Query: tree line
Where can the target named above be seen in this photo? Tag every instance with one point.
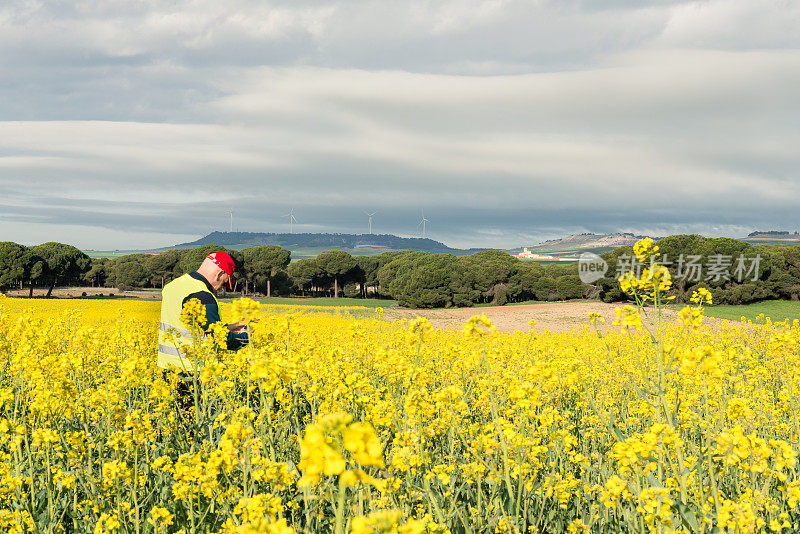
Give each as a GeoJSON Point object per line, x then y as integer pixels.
{"type": "Point", "coordinates": [45, 265]}
{"type": "Point", "coordinates": [419, 279]}
{"type": "Point", "coordinates": [415, 279]}
{"type": "Point", "coordinates": [768, 272]}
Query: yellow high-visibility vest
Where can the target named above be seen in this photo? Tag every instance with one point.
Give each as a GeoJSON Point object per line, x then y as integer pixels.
{"type": "Point", "coordinates": [171, 306]}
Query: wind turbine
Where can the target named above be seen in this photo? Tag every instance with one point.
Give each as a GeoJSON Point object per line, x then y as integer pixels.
{"type": "Point", "coordinates": [424, 224]}
{"type": "Point", "coordinates": [370, 219]}
{"type": "Point", "coordinates": [292, 220]}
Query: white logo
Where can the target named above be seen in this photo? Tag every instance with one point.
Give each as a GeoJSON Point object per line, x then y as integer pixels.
{"type": "Point", "coordinates": [591, 267]}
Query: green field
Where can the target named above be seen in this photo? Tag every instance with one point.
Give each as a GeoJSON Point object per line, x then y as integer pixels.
{"type": "Point", "coordinates": [111, 254]}
{"type": "Point", "coordinates": [776, 310]}
{"type": "Point", "coordinates": [302, 253]}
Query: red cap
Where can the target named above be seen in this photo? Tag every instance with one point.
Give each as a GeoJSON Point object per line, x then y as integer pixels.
{"type": "Point", "coordinates": [224, 261]}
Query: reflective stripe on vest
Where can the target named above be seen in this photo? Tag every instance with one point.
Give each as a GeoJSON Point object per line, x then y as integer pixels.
{"type": "Point", "coordinates": [166, 349]}
{"type": "Point", "coordinates": [172, 296]}
{"type": "Point", "coordinates": [164, 327]}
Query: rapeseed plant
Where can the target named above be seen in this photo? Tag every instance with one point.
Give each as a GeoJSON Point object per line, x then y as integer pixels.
{"type": "Point", "coordinates": [334, 420]}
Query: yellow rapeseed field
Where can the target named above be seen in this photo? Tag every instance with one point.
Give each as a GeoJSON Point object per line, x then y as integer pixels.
{"type": "Point", "coordinates": [332, 423]}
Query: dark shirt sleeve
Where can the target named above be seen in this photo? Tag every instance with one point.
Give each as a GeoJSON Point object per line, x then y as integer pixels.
{"type": "Point", "coordinates": [235, 340]}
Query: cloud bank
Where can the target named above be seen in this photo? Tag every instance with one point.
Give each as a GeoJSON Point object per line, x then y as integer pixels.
{"type": "Point", "coordinates": [141, 124]}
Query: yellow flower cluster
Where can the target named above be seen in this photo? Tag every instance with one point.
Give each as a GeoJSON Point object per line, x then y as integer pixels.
{"type": "Point", "coordinates": [654, 280]}
{"type": "Point", "coordinates": [338, 422]}
{"type": "Point", "coordinates": [628, 316]}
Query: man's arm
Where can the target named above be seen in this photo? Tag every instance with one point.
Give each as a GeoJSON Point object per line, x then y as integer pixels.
{"type": "Point", "coordinates": [236, 340]}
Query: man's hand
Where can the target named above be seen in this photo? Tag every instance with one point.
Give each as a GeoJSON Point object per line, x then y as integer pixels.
{"type": "Point", "coordinates": [237, 327]}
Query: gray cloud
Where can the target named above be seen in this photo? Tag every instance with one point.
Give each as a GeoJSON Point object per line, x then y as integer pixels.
{"type": "Point", "coordinates": [507, 121]}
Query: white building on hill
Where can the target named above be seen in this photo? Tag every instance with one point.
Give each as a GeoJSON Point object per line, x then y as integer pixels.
{"type": "Point", "coordinates": [528, 255]}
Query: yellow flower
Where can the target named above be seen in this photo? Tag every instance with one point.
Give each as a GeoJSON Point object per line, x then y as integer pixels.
{"type": "Point", "coordinates": [420, 326]}
{"type": "Point", "coordinates": [386, 522]}
{"type": "Point", "coordinates": [193, 315]}
{"type": "Point", "coordinates": [578, 526]}
{"type": "Point", "coordinates": [479, 325]}
{"type": "Point", "coordinates": [644, 250]}
{"type": "Point", "coordinates": [107, 523]}
{"type": "Point", "coordinates": [361, 441]}
{"type": "Point", "coordinates": [614, 491]}
{"type": "Point", "coordinates": [160, 517]}
{"type": "Point", "coordinates": [691, 316]}
{"type": "Point", "coordinates": [245, 310]}
{"type": "Point", "coordinates": [701, 295]}
{"type": "Point", "coordinates": [596, 317]}
{"type": "Point", "coordinates": [318, 456]}
{"type": "Point", "coordinates": [627, 316]}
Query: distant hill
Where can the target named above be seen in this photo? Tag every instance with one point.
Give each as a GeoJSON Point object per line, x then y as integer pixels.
{"type": "Point", "coordinates": [769, 233]}
{"type": "Point", "coordinates": [772, 237]}
{"type": "Point", "coordinates": [309, 245]}
{"type": "Point", "coordinates": [584, 242]}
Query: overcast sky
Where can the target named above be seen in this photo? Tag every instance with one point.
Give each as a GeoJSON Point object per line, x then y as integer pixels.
{"type": "Point", "coordinates": [140, 124]}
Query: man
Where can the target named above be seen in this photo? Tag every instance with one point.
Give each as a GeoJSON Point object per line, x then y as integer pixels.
{"type": "Point", "coordinates": [215, 271]}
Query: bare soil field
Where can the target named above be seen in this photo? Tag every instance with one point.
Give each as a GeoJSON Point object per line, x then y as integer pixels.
{"type": "Point", "coordinates": [552, 316]}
